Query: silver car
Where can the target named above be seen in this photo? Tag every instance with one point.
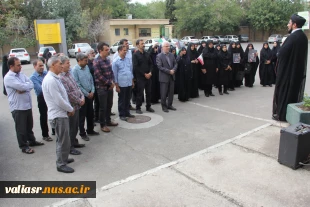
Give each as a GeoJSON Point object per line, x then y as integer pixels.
{"type": "Point", "coordinates": [176, 43]}
{"type": "Point", "coordinates": [189, 39]}
{"type": "Point", "coordinates": [221, 39]}
{"type": "Point", "coordinates": [78, 47]}
{"type": "Point", "coordinates": [206, 38]}
{"type": "Point", "coordinates": [275, 38]}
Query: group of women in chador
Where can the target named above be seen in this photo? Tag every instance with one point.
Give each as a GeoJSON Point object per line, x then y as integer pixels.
{"type": "Point", "coordinates": [220, 66]}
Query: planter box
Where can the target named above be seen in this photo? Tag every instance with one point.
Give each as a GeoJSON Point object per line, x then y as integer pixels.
{"type": "Point", "coordinates": [294, 114]}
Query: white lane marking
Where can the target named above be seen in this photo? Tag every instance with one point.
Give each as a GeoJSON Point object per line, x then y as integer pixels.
{"type": "Point", "coordinates": [273, 122]}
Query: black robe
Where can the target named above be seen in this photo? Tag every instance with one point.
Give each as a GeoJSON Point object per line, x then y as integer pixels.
{"type": "Point", "coordinates": [249, 79]}
{"type": "Point", "coordinates": [239, 66]}
{"type": "Point", "coordinates": [266, 70]}
{"type": "Point", "coordinates": [274, 59]}
{"type": "Point", "coordinates": [210, 59]}
{"type": "Point", "coordinates": [234, 66]}
{"type": "Point", "coordinates": [184, 76]}
{"type": "Point", "coordinates": [291, 73]}
{"type": "Point", "coordinates": [5, 69]}
{"type": "Point", "coordinates": [155, 89]}
{"type": "Point", "coordinates": [200, 49]}
{"type": "Point", "coordinates": [193, 55]}
{"type": "Point", "coordinates": [224, 76]}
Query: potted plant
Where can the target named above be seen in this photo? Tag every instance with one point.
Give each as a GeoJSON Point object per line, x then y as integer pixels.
{"type": "Point", "coordinates": [299, 112]}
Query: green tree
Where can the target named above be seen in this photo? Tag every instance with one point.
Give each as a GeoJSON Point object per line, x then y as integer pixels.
{"type": "Point", "coordinates": [192, 15]}
{"type": "Point", "coordinates": [139, 11]}
{"type": "Point", "coordinates": [157, 9]}
{"type": "Point", "coordinates": [4, 38]}
{"type": "Point", "coordinates": [34, 10]}
{"type": "Point", "coordinates": [170, 8]}
{"type": "Point", "coordinates": [70, 11]}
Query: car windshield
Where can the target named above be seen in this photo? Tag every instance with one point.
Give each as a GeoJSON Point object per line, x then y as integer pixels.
{"type": "Point", "coordinates": [274, 35]}
{"type": "Point", "coordinates": [82, 45]}
{"type": "Point", "coordinates": [175, 40]}
{"type": "Point", "coordinates": [192, 37]}
{"type": "Point", "coordinates": [18, 50]}
{"type": "Point", "coordinates": [43, 48]}
{"type": "Point", "coordinates": [212, 37]}
{"type": "Point", "coordinates": [221, 36]}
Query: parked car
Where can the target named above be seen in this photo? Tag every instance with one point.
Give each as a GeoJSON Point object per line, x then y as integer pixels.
{"type": "Point", "coordinates": [78, 47]}
{"type": "Point", "coordinates": [94, 46]}
{"type": "Point", "coordinates": [113, 48]}
{"type": "Point", "coordinates": [41, 51]}
{"type": "Point", "coordinates": [149, 43]}
{"type": "Point", "coordinates": [243, 38]}
{"type": "Point", "coordinates": [274, 38]}
{"type": "Point", "coordinates": [206, 38]}
{"type": "Point", "coordinates": [221, 39]}
{"type": "Point", "coordinates": [231, 38]}
{"type": "Point", "coordinates": [284, 37]}
{"type": "Point", "coordinates": [176, 43]}
{"type": "Point", "coordinates": [188, 39]}
{"type": "Point", "coordinates": [21, 54]}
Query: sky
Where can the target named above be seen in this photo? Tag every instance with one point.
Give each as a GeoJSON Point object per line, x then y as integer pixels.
{"type": "Point", "coordinates": [141, 1]}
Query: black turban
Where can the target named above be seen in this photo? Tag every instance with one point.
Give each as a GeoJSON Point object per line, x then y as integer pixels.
{"type": "Point", "coordinates": [300, 21]}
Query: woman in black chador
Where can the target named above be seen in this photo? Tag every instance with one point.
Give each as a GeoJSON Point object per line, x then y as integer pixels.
{"type": "Point", "coordinates": [274, 59]}
{"type": "Point", "coordinates": [232, 50]}
{"type": "Point", "coordinates": [5, 69]}
{"type": "Point", "coordinates": [266, 72]}
{"type": "Point", "coordinates": [239, 66]}
{"type": "Point", "coordinates": [155, 89]}
{"type": "Point", "coordinates": [224, 72]}
{"type": "Point", "coordinates": [202, 46]}
{"type": "Point", "coordinates": [218, 48]}
{"type": "Point", "coordinates": [183, 75]}
{"type": "Point", "coordinates": [208, 75]}
{"type": "Point", "coordinates": [193, 55]}
{"type": "Point", "coordinates": [249, 78]}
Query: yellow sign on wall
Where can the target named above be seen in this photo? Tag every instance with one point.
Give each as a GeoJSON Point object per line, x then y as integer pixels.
{"type": "Point", "coordinates": [155, 32]}
{"type": "Point", "coordinates": [48, 33]}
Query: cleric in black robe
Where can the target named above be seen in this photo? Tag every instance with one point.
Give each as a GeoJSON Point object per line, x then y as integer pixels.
{"type": "Point", "coordinates": [225, 70]}
{"type": "Point", "coordinates": [249, 78]}
{"type": "Point", "coordinates": [265, 68]}
{"type": "Point", "coordinates": [155, 89]}
{"type": "Point", "coordinates": [193, 55]}
{"type": "Point", "coordinates": [291, 68]}
{"type": "Point", "coordinates": [5, 69]}
{"type": "Point", "coordinates": [274, 59]}
{"type": "Point", "coordinates": [208, 74]}
{"type": "Point", "coordinates": [183, 75]}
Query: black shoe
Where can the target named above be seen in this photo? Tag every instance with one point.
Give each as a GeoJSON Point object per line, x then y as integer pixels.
{"type": "Point", "coordinates": [172, 108]}
{"type": "Point", "coordinates": [211, 94]}
{"type": "Point", "coordinates": [85, 137]}
{"type": "Point", "coordinates": [221, 93]}
{"type": "Point", "coordinates": [165, 110]}
{"type": "Point", "coordinates": [75, 152]}
{"type": "Point", "coordinates": [226, 92]}
{"type": "Point", "coordinates": [123, 118]}
{"type": "Point", "coordinates": [231, 89]}
{"type": "Point", "coordinates": [65, 169]}
{"type": "Point", "coordinates": [92, 133]}
{"type": "Point", "coordinates": [36, 143]}
{"type": "Point", "coordinates": [206, 94]}
{"type": "Point", "coordinates": [130, 116]}
{"type": "Point", "coordinates": [79, 145]}
{"type": "Point", "coordinates": [70, 160]}
{"type": "Point", "coordinates": [112, 114]}
{"type": "Point", "coordinates": [275, 117]}
{"type": "Point", "coordinates": [138, 111]}
{"type": "Point", "coordinates": [150, 110]}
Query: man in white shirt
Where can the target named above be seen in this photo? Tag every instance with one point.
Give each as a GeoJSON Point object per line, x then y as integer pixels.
{"type": "Point", "coordinates": [18, 87]}
{"type": "Point", "coordinates": [59, 108]}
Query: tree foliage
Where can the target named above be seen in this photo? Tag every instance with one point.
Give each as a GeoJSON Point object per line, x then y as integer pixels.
{"type": "Point", "coordinates": [170, 8]}
{"type": "Point", "coordinates": [152, 10]}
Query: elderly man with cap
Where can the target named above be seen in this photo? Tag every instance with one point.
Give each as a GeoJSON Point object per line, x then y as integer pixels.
{"type": "Point", "coordinates": [291, 68]}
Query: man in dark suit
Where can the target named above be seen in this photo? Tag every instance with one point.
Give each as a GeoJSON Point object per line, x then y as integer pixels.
{"type": "Point", "coordinates": [167, 66]}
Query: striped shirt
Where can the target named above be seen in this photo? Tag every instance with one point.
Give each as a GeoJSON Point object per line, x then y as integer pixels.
{"type": "Point", "coordinates": [75, 95]}
{"type": "Point", "coordinates": [104, 76]}
{"type": "Point", "coordinates": [15, 82]}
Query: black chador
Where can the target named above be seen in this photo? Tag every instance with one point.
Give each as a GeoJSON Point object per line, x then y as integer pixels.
{"type": "Point", "coordinates": [183, 75]}
{"type": "Point", "coordinates": [266, 70]}
{"type": "Point", "coordinates": [224, 72]}
{"type": "Point", "coordinates": [208, 73]}
{"type": "Point", "coordinates": [193, 55]}
{"type": "Point", "coordinates": [249, 78]}
{"type": "Point", "coordinates": [155, 90]}
{"type": "Point", "coordinates": [291, 69]}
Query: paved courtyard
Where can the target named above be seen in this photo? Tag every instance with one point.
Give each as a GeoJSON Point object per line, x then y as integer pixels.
{"type": "Point", "coordinates": [130, 149]}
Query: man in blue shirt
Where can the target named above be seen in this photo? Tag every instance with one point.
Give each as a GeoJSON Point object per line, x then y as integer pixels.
{"type": "Point", "coordinates": [123, 79]}
{"type": "Point", "coordinates": [85, 82]}
{"type": "Point", "coordinates": [18, 87]}
{"type": "Point", "coordinates": [37, 79]}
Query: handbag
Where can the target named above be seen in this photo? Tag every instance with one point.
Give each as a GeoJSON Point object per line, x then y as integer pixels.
{"type": "Point", "coordinates": [247, 68]}
{"type": "Point", "coordinates": [239, 75]}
